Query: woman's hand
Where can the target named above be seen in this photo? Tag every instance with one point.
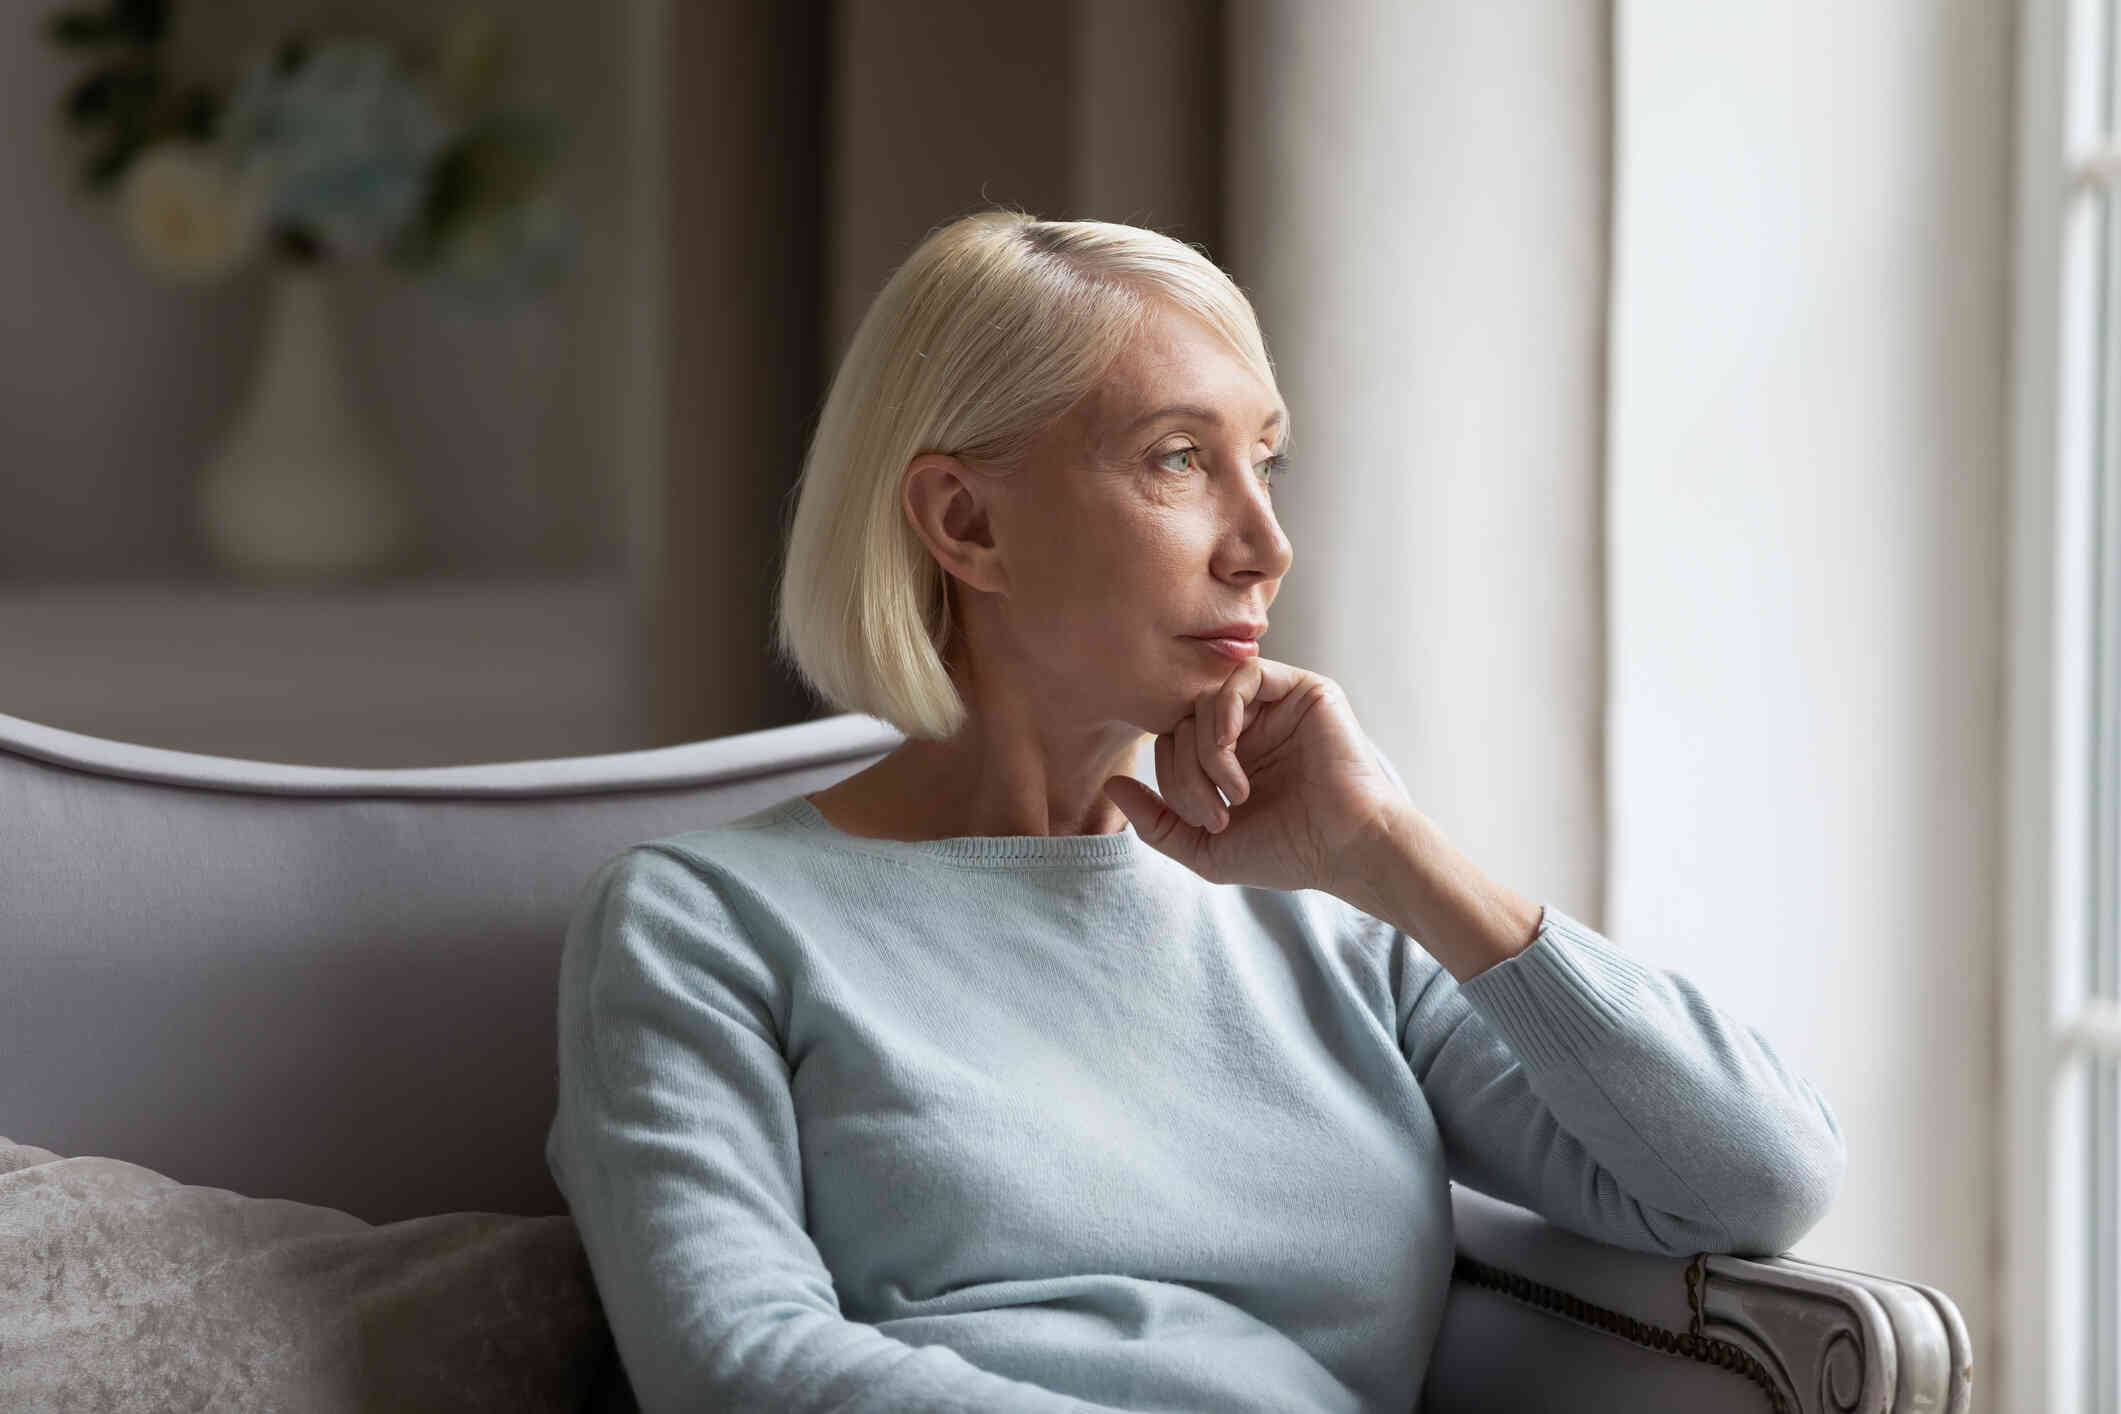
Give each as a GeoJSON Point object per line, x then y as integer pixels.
{"type": "Point", "coordinates": [1304, 786]}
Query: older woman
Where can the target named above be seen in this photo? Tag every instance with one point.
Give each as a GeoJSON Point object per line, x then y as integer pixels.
{"type": "Point", "coordinates": [991, 1079]}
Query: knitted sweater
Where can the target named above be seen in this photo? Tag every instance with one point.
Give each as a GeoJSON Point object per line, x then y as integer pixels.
{"type": "Point", "coordinates": [1050, 1123]}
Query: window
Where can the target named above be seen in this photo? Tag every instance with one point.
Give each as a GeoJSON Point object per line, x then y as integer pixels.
{"type": "Point", "coordinates": [2061, 948]}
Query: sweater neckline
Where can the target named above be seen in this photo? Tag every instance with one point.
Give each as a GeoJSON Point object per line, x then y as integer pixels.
{"type": "Point", "coordinates": [1118, 848]}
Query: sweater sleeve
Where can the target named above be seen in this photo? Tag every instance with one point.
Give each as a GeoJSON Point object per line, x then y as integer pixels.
{"type": "Point", "coordinates": [1612, 1099]}
{"type": "Point", "coordinates": [674, 1141]}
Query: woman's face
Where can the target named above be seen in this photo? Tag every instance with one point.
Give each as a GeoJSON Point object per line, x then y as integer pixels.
{"type": "Point", "coordinates": [1142, 517]}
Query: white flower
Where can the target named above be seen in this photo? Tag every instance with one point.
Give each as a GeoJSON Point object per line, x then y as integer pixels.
{"type": "Point", "coordinates": [189, 215]}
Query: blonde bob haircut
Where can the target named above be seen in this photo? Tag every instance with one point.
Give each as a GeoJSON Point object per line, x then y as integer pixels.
{"type": "Point", "coordinates": [994, 327]}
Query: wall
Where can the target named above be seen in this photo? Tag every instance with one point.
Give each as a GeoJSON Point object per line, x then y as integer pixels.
{"type": "Point", "coordinates": [1094, 109]}
{"type": "Point", "coordinates": [1807, 499]}
{"type": "Point", "coordinates": [746, 93]}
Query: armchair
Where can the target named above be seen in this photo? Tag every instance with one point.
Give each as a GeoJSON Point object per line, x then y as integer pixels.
{"type": "Point", "coordinates": [283, 981]}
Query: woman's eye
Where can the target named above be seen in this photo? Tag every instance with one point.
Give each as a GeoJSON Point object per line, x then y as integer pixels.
{"type": "Point", "coordinates": [1273, 466]}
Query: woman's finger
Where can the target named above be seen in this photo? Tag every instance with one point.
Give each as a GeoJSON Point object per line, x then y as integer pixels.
{"type": "Point", "coordinates": [1221, 714]}
{"type": "Point", "coordinates": [1193, 794]}
{"type": "Point", "coordinates": [1167, 784]}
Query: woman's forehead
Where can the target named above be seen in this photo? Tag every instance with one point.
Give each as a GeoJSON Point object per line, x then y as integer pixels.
{"type": "Point", "coordinates": [1179, 368]}
{"type": "Point", "coordinates": [1195, 409]}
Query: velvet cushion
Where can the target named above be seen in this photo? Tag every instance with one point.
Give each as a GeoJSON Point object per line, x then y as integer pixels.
{"type": "Point", "coordinates": [121, 1289]}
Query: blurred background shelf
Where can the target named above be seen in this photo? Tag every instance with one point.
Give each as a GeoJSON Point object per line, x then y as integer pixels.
{"type": "Point", "coordinates": [416, 672]}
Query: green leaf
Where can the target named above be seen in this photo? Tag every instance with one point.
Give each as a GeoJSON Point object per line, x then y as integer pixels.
{"type": "Point", "coordinates": [111, 90]}
{"type": "Point", "coordinates": [108, 164]}
{"type": "Point", "coordinates": [88, 99]}
{"type": "Point", "coordinates": [297, 244]}
{"type": "Point", "coordinates": [449, 189]}
{"type": "Point", "coordinates": [80, 29]}
{"type": "Point", "coordinates": [145, 20]}
{"type": "Point", "coordinates": [136, 90]}
{"type": "Point", "coordinates": [498, 162]}
{"type": "Point", "coordinates": [414, 251]}
{"type": "Point", "coordinates": [198, 114]}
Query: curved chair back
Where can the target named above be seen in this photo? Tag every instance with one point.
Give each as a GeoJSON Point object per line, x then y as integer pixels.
{"type": "Point", "coordinates": [325, 984]}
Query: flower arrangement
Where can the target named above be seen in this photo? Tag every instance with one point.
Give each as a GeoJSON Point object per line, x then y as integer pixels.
{"type": "Point", "coordinates": [325, 148]}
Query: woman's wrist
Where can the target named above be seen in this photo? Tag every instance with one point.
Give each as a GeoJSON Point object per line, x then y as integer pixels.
{"type": "Point", "coordinates": [1407, 874]}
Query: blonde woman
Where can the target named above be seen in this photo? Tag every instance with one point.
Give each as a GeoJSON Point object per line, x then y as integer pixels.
{"type": "Point", "coordinates": [990, 1079]}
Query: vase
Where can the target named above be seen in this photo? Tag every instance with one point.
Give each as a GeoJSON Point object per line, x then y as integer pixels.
{"type": "Point", "coordinates": [295, 489]}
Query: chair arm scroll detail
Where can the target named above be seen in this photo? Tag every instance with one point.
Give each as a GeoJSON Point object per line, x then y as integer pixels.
{"type": "Point", "coordinates": [1837, 1340]}
{"type": "Point", "coordinates": [1814, 1339]}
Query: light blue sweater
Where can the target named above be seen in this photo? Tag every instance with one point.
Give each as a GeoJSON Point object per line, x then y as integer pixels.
{"type": "Point", "coordinates": [1049, 1123]}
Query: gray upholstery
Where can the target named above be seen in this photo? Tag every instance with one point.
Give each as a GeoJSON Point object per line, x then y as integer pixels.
{"type": "Point", "coordinates": [337, 986]}
{"type": "Point", "coordinates": [286, 980]}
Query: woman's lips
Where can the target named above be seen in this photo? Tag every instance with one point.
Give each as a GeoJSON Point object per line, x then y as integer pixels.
{"type": "Point", "coordinates": [1238, 649]}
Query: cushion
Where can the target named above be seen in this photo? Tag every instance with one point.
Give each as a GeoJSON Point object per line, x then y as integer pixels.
{"type": "Point", "coordinates": [121, 1289]}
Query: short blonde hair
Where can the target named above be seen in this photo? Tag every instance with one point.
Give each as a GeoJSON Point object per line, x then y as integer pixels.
{"type": "Point", "coordinates": [994, 327]}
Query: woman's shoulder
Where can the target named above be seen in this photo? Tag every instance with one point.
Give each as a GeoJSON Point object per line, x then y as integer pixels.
{"type": "Point", "coordinates": [712, 859]}
{"type": "Point", "coordinates": [773, 827]}
{"type": "Point", "coordinates": [721, 888]}
{"type": "Point", "coordinates": [735, 851]}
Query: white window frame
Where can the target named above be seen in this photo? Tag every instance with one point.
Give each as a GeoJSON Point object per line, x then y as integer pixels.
{"type": "Point", "coordinates": [2054, 1031]}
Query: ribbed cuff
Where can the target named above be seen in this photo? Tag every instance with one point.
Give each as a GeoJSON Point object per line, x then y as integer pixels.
{"type": "Point", "coordinates": [1561, 999]}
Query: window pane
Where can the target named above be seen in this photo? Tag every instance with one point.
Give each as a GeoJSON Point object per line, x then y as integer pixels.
{"type": "Point", "coordinates": [2105, 1234]}
{"type": "Point", "coordinates": [2103, 956]}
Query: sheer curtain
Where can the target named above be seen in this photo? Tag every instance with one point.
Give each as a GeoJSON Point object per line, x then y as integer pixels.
{"type": "Point", "coordinates": [1417, 203]}
{"type": "Point", "coordinates": [1809, 399]}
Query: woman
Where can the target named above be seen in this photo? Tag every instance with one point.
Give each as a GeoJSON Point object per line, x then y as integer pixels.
{"type": "Point", "coordinates": [991, 1079]}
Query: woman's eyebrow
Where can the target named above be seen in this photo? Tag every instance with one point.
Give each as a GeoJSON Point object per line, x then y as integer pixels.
{"type": "Point", "coordinates": [1194, 410]}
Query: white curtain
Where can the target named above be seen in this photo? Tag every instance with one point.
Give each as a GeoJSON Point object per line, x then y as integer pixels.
{"type": "Point", "coordinates": [1809, 409]}
{"type": "Point", "coordinates": [1417, 203]}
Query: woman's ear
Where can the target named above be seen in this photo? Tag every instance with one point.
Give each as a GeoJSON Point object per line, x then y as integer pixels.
{"type": "Point", "coordinates": [948, 506]}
